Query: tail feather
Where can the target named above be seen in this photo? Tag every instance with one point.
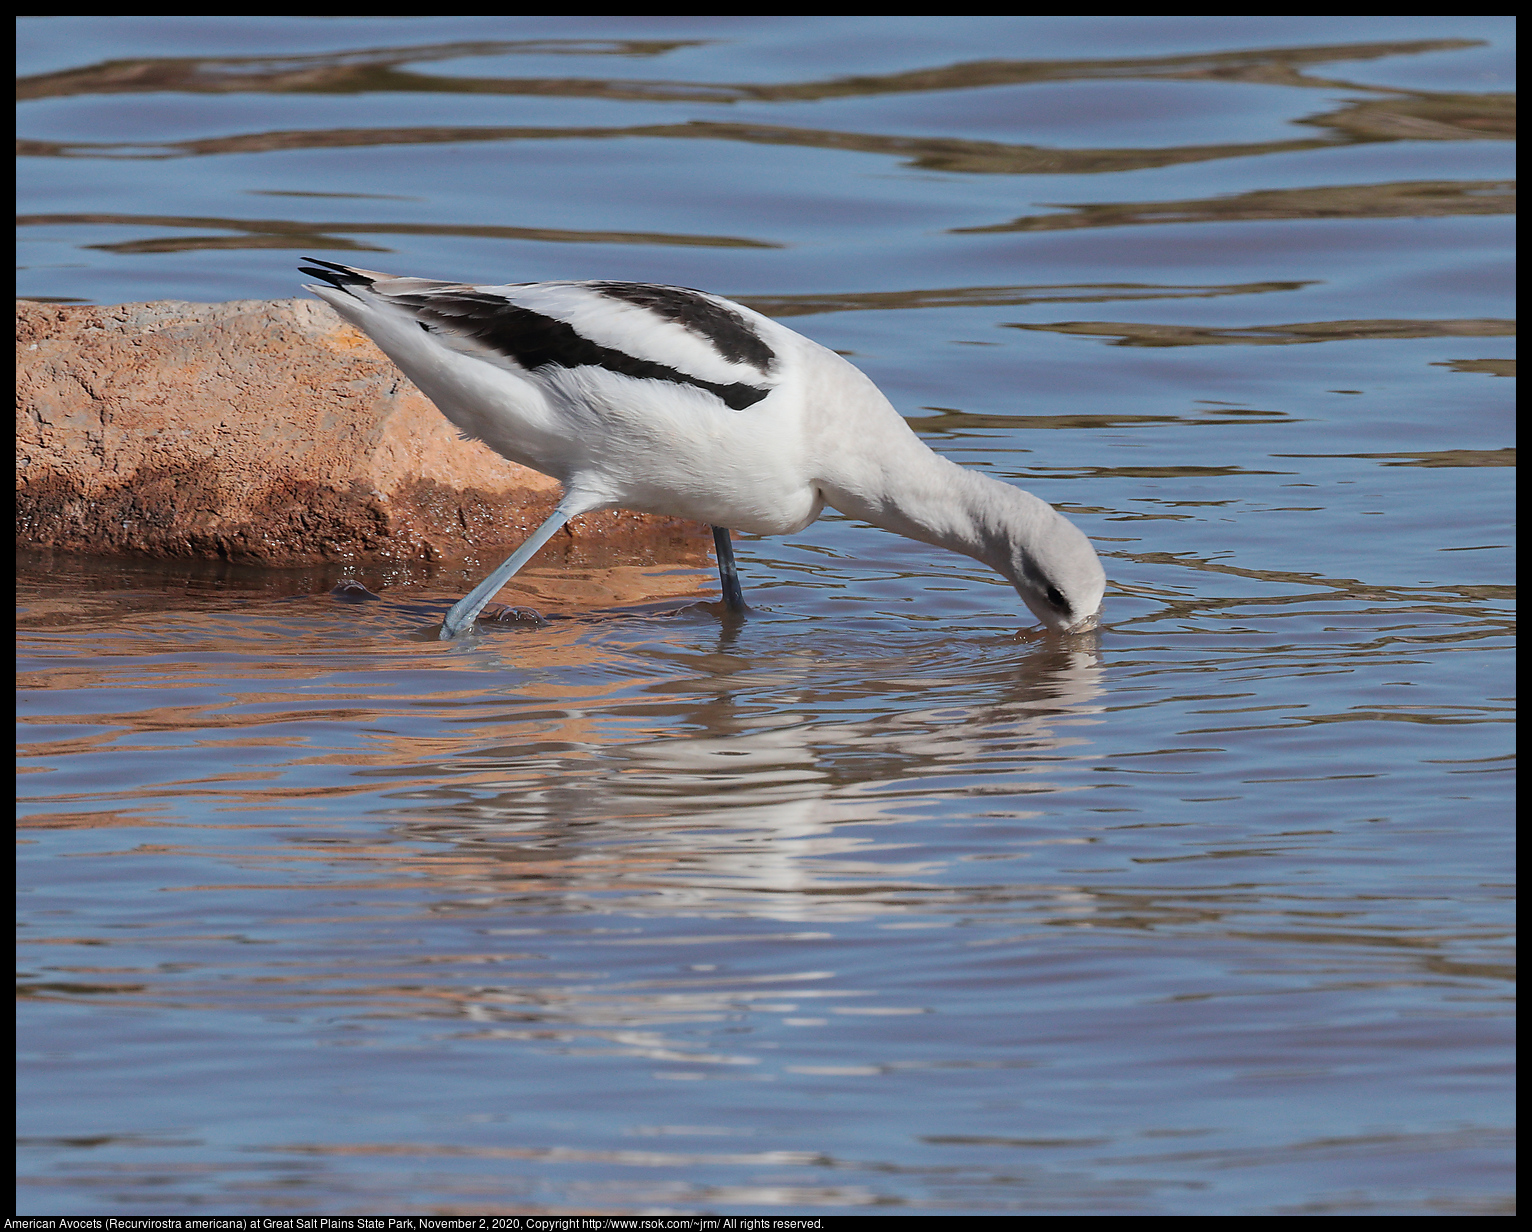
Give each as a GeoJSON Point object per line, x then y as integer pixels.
{"type": "Point", "coordinates": [341, 277]}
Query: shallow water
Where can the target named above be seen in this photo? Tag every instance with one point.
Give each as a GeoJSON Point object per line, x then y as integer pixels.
{"type": "Point", "coordinates": [871, 900]}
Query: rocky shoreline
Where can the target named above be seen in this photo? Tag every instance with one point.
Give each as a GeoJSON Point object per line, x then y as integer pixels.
{"type": "Point", "coordinates": [265, 432]}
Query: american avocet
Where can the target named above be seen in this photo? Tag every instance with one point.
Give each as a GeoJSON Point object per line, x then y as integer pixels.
{"type": "Point", "coordinates": [673, 401]}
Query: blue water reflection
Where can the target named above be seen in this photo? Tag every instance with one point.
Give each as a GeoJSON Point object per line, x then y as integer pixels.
{"type": "Point", "coordinates": [874, 900]}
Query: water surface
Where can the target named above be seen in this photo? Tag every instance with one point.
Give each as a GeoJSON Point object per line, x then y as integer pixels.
{"type": "Point", "coordinates": [876, 899]}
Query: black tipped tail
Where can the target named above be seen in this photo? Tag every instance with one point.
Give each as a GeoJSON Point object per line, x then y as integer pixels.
{"type": "Point", "coordinates": [341, 277]}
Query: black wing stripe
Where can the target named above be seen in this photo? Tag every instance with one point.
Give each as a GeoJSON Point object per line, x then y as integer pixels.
{"type": "Point", "coordinates": [728, 332]}
{"type": "Point", "coordinates": [535, 341]}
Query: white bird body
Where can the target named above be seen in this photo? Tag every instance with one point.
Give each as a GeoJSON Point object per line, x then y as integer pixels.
{"type": "Point", "coordinates": [671, 401]}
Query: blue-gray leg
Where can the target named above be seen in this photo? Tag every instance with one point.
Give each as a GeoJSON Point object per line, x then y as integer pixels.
{"type": "Point", "coordinates": [728, 575]}
{"type": "Point", "coordinates": [466, 610]}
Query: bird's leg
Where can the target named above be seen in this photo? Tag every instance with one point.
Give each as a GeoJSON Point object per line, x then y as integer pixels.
{"type": "Point", "coordinates": [467, 609]}
{"type": "Point", "coordinates": [728, 575]}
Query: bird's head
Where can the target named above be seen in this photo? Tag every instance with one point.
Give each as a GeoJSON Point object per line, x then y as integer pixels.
{"type": "Point", "coordinates": [1057, 573]}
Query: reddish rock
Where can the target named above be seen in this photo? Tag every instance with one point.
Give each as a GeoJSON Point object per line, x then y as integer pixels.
{"type": "Point", "coordinates": [263, 431]}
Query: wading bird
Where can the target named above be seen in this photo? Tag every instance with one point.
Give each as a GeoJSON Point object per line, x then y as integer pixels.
{"type": "Point", "coordinates": [672, 401]}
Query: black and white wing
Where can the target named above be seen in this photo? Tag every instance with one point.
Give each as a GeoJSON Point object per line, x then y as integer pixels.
{"type": "Point", "coordinates": [637, 330]}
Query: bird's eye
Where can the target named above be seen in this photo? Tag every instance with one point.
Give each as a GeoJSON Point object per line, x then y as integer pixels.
{"type": "Point", "coordinates": [1057, 599]}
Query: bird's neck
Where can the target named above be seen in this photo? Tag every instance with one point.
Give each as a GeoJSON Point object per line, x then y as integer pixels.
{"type": "Point", "coordinates": [877, 469]}
{"type": "Point", "coordinates": [911, 490]}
